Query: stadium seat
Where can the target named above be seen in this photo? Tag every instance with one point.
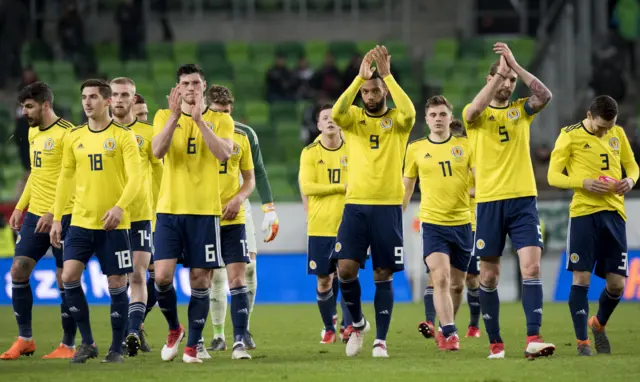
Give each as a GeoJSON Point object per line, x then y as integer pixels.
{"type": "Point", "coordinates": [43, 70]}
{"type": "Point", "coordinates": [63, 71]}
{"type": "Point", "coordinates": [315, 51]}
{"type": "Point", "coordinates": [162, 69]}
{"type": "Point", "coordinates": [237, 52]}
{"type": "Point", "coordinates": [106, 51]}
{"type": "Point", "coordinates": [291, 147]}
{"type": "Point", "coordinates": [110, 68]}
{"type": "Point", "coordinates": [66, 93]}
{"type": "Point", "coordinates": [211, 49]}
{"type": "Point", "coordinates": [257, 112]}
{"type": "Point", "coordinates": [262, 51]}
{"type": "Point", "coordinates": [137, 70]}
{"type": "Point", "coordinates": [397, 50]}
{"type": "Point", "coordinates": [160, 51]}
{"type": "Point", "coordinates": [216, 68]}
{"type": "Point", "coordinates": [185, 52]}
{"type": "Point", "coordinates": [342, 49]}
{"type": "Point", "coordinates": [445, 49]}
{"type": "Point", "coordinates": [362, 47]}
{"type": "Point", "coordinates": [284, 111]}
{"type": "Point", "coordinates": [288, 128]}
{"type": "Point", "coordinates": [435, 71]}
{"type": "Point", "coordinates": [290, 49]}
{"type": "Point", "coordinates": [475, 48]}
{"type": "Point", "coordinates": [145, 87]}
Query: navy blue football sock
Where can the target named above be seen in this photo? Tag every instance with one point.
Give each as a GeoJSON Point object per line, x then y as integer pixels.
{"type": "Point", "coordinates": [22, 300]}
{"type": "Point", "coordinates": [151, 294]}
{"type": "Point", "coordinates": [490, 305]}
{"type": "Point", "coordinates": [119, 319]}
{"type": "Point", "coordinates": [326, 305]}
{"type": "Point", "coordinates": [448, 330]}
{"type": "Point", "coordinates": [136, 315]}
{"type": "Point", "coordinates": [239, 312]}
{"type": "Point", "coordinates": [197, 314]}
{"type": "Point", "coordinates": [429, 307]}
{"type": "Point", "coordinates": [473, 300]}
{"type": "Point", "coordinates": [608, 303]}
{"type": "Point", "coordinates": [335, 287]}
{"type": "Point", "coordinates": [383, 304]}
{"type": "Point", "coordinates": [69, 326]}
{"type": "Point", "coordinates": [346, 315]}
{"type": "Point", "coordinates": [79, 310]}
{"type": "Point", "coordinates": [351, 292]}
{"type": "Point", "coordinates": [532, 304]}
{"type": "Point", "coordinates": [168, 303]}
{"type": "Point", "coordinates": [579, 307]}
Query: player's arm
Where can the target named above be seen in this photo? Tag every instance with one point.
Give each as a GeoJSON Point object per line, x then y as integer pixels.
{"type": "Point", "coordinates": [231, 209]}
{"type": "Point", "coordinates": [409, 186]}
{"type": "Point", "coordinates": [157, 169]}
{"type": "Point", "coordinates": [15, 221]}
{"type": "Point", "coordinates": [164, 126]}
{"type": "Point", "coordinates": [406, 110]}
{"type": "Point", "coordinates": [472, 186]}
{"type": "Point", "coordinates": [132, 167]}
{"type": "Point", "coordinates": [221, 144]}
{"type": "Point", "coordinates": [308, 183]}
{"type": "Point", "coordinates": [540, 94]}
{"type": "Point", "coordinates": [629, 163]}
{"type": "Point", "coordinates": [64, 190]}
{"type": "Point", "coordinates": [342, 111]}
{"type": "Point", "coordinates": [410, 175]}
{"type": "Point", "coordinates": [262, 181]}
{"type": "Point", "coordinates": [484, 97]}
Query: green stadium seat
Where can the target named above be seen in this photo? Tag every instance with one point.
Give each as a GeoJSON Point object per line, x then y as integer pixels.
{"type": "Point", "coordinates": [291, 147]}
{"type": "Point", "coordinates": [111, 68]}
{"type": "Point", "coordinates": [315, 51]}
{"type": "Point", "coordinates": [290, 49]}
{"type": "Point", "coordinates": [160, 51]}
{"type": "Point", "coordinates": [404, 69]}
{"type": "Point", "coordinates": [43, 70]}
{"type": "Point", "coordinates": [106, 51]}
{"type": "Point", "coordinates": [446, 49]}
{"type": "Point", "coordinates": [248, 90]}
{"type": "Point", "coordinates": [246, 69]}
{"type": "Point", "coordinates": [63, 71]}
{"type": "Point", "coordinates": [40, 51]}
{"type": "Point", "coordinates": [362, 47]}
{"type": "Point", "coordinates": [257, 112]}
{"type": "Point", "coordinates": [137, 70]}
{"type": "Point", "coordinates": [288, 128]}
{"type": "Point", "coordinates": [475, 48]}
{"type": "Point", "coordinates": [237, 52]}
{"type": "Point", "coordinates": [435, 71]}
{"type": "Point", "coordinates": [211, 49]}
{"type": "Point", "coordinates": [145, 87]}
{"type": "Point", "coordinates": [284, 111]}
{"type": "Point", "coordinates": [397, 49]}
{"type": "Point", "coordinates": [216, 69]}
{"type": "Point", "coordinates": [185, 52]}
{"type": "Point", "coordinates": [262, 51]}
{"type": "Point", "coordinates": [77, 113]}
{"type": "Point", "coordinates": [66, 93]}
{"type": "Point", "coordinates": [342, 63]}
{"type": "Point", "coordinates": [162, 69]}
{"type": "Point", "coordinates": [343, 49]}
{"type": "Point", "coordinates": [269, 5]}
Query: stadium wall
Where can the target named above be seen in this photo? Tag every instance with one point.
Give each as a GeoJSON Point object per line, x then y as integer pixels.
{"type": "Point", "coordinates": [282, 264]}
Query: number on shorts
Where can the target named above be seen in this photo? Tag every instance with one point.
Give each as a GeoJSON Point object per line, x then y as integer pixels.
{"type": "Point", "coordinates": [245, 248]}
{"type": "Point", "coordinates": [124, 259]}
{"type": "Point", "coordinates": [625, 263]}
{"type": "Point", "coordinates": [539, 233]}
{"type": "Point", "coordinates": [210, 253]}
{"type": "Point", "coordinates": [399, 255]}
{"type": "Point", "coordinates": [144, 235]}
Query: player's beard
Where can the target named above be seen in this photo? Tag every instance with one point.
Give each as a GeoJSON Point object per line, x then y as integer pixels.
{"type": "Point", "coordinates": [121, 112]}
{"type": "Point", "coordinates": [375, 108]}
{"type": "Point", "coordinates": [33, 122]}
{"type": "Point", "coordinates": [503, 95]}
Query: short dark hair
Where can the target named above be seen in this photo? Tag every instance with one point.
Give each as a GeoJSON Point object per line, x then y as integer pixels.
{"type": "Point", "coordinates": [604, 107]}
{"type": "Point", "coordinates": [457, 128]}
{"type": "Point", "coordinates": [220, 95]}
{"type": "Point", "coordinates": [323, 107]}
{"type": "Point", "coordinates": [375, 75]}
{"type": "Point", "coordinates": [189, 69]}
{"type": "Point", "coordinates": [493, 69]}
{"type": "Point", "coordinates": [103, 87]}
{"type": "Point", "coordinates": [140, 99]}
{"type": "Point", "coordinates": [438, 100]}
{"type": "Point", "coordinates": [37, 91]}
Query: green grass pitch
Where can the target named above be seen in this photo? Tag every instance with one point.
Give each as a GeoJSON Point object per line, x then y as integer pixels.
{"type": "Point", "coordinates": [288, 339]}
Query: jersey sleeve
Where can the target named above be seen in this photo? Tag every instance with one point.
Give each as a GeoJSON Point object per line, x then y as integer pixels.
{"type": "Point", "coordinates": [262, 181]}
{"type": "Point", "coordinates": [526, 111]}
{"type": "Point", "coordinates": [343, 111]}
{"type": "Point", "coordinates": [627, 158]}
{"type": "Point", "coordinates": [307, 178]}
{"type": "Point", "coordinates": [475, 123]}
{"type": "Point", "coordinates": [559, 158]}
{"type": "Point", "coordinates": [246, 162]}
{"type": "Point", "coordinates": [472, 156]}
{"type": "Point", "coordinates": [159, 121]}
{"type": "Point", "coordinates": [410, 164]}
{"type": "Point", "coordinates": [65, 186]}
{"type": "Point", "coordinates": [25, 197]}
{"type": "Point", "coordinates": [225, 127]}
{"type": "Point", "coordinates": [157, 169]}
{"type": "Point", "coordinates": [406, 116]}
{"type": "Point", "coordinates": [131, 156]}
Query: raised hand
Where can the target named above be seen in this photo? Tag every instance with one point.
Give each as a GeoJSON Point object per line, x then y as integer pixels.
{"type": "Point", "coordinates": [366, 71]}
{"type": "Point", "coordinates": [383, 60]}
{"type": "Point", "coordinates": [175, 101]}
{"type": "Point", "coordinates": [503, 67]}
{"type": "Point", "coordinates": [197, 108]}
{"type": "Point", "coordinates": [503, 50]}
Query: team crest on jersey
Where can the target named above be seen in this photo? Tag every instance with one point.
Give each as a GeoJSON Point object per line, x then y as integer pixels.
{"type": "Point", "coordinates": [574, 258]}
{"type": "Point", "coordinates": [236, 149]}
{"type": "Point", "coordinates": [313, 265]}
{"type": "Point", "coordinates": [209, 125]}
{"type": "Point", "coordinates": [343, 161]}
{"type": "Point", "coordinates": [338, 247]}
{"type": "Point", "coordinates": [110, 144]}
{"type": "Point", "coordinates": [513, 113]}
{"type": "Point", "coordinates": [48, 144]}
{"type": "Point", "coordinates": [386, 123]}
{"type": "Point", "coordinates": [614, 142]}
{"type": "Point", "coordinates": [457, 151]}
{"type": "Point", "coordinates": [140, 140]}
{"type": "Point", "coordinates": [480, 244]}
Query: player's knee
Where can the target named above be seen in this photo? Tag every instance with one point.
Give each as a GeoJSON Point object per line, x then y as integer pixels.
{"type": "Point", "coordinates": [116, 281]}
{"type": "Point", "coordinates": [530, 270]}
{"type": "Point", "coordinates": [441, 279]}
{"type": "Point", "coordinates": [382, 274]}
{"type": "Point", "coordinates": [581, 278]}
{"type": "Point", "coordinates": [472, 281]}
{"type": "Point", "coordinates": [615, 285]}
{"type": "Point", "coordinates": [324, 283]}
{"type": "Point", "coordinates": [347, 269]}
{"type": "Point", "coordinates": [163, 278]}
{"type": "Point", "coordinates": [138, 278]}
{"type": "Point", "coordinates": [490, 279]}
{"type": "Point", "coordinates": [200, 278]}
{"type": "Point", "coordinates": [457, 287]}
{"type": "Point", "coordinates": [20, 270]}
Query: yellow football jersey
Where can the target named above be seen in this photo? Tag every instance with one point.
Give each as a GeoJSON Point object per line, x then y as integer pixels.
{"type": "Point", "coordinates": [443, 169]}
{"type": "Point", "coordinates": [46, 148]}
{"type": "Point", "coordinates": [586, 156]}
{"type": "Point", "coordinates": [472, 202]}
{"type": "Point", "coordinates": [376, 145]}
{"type": "Point", "coordinates": [241, 160]}
{"type": "Point", "coordinates": [323, 174]}
{"type": "Point", "coordinates": [500, 139]}
{"type": "Point", "coordinates": [142, 206]}
{"type": "Point", "coordinates": [101, 162]}
{"type": "Point", "coordinates": [190, 182]}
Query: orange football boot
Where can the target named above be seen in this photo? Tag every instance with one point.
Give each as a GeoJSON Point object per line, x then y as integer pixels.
{"type": "Point", "coordinates": [20, 347]}
{"type": "Point", "coordinates": [61, 352]}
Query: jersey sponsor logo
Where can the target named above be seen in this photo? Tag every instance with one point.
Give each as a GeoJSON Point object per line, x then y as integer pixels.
{"type": "Point", "coordinates": [140, 140]}
{"type": "Point", "coordinates": [614, 143]}
{"type": "Point", "coordinates": [480, 244]}
{"type": "Point", "coordinates": [343, 161]}
{"type": "Point", "coordinates": [313, 265]}
{"type": "Point", "coordinates": [574, 258]}
{"type": "Point", "coordinates": [338, 247]}
{"type": "Point", "coordinates": [48, 144]}
{"type": "Point", "coordinates": [457, 151]}
{"type": "Point", "coordinates": [386, 123]}
{"type": "Point", "coordinates": [109, 144]}
{"type": "Point", "coordinates": [513, 113]}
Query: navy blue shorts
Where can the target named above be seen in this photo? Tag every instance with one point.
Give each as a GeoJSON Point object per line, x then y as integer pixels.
{"type": "Point", "coordinates": [112, 248]}
{"type": "Point", "coordinates": [141, 236]}
{"type": "Point", "coordinates": [474, 263]}
{"type": "Point", "coordinates": [319, 250]}
{"type": "Point", "coordinates": [375, 226]}
{"type": "Point", "coordinates": [35, 245]}
{"type": "Point", "coordinates": [233, 239]}
{"type": "Point", "coordinates": [455, 241]}
{"type": "Point", "coordinates": [516, 217]}
{"type": "Point", "coordinates": [598, 240]}
{"type": "Point", "coordinates": [193, 238]}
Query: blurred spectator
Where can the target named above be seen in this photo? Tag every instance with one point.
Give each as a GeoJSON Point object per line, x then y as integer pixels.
{"type": "Point", "coordinates": [328, 78]}
{"type": "Point", "coordinates": [626, 19]}
{"type": "Point", "coordinates": [29, 76]}
{"type": "Point", "coordinates": [279, 81]}
{"type": "Point", "coordinates": [71, 31]}
{"type": "Point", "coordinates": [608, 79]}
{"type": "Point", "coordinates": [309, 119]}
{"type": "Point", "coordinates": [131, 29]}
{"type": "Point", "coordinates": [303, 75]}
{"type": "Point", "coordinates": [161, 7]}
{"type": "Point", "coordinates": [352, 70]}
{"type": "Point", "coordinates": [14, 21]}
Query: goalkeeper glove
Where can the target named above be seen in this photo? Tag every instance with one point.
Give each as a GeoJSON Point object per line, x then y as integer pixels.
{"type": "Point", "coordinates": [270, 224]}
